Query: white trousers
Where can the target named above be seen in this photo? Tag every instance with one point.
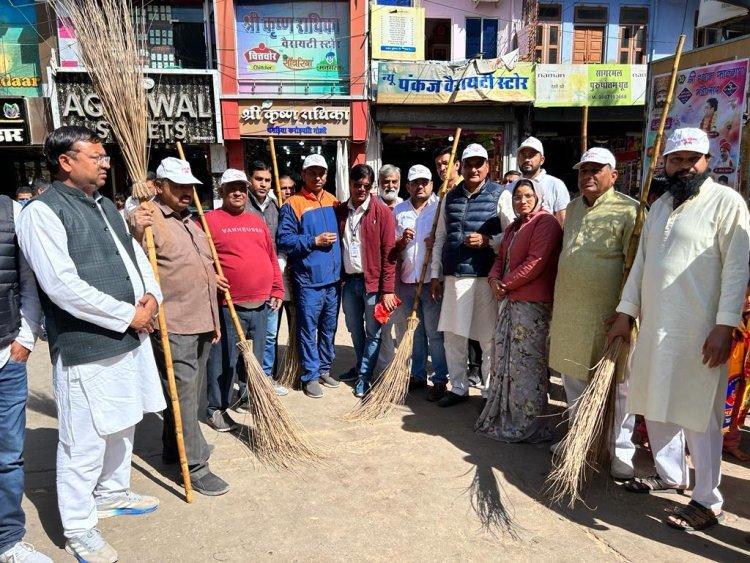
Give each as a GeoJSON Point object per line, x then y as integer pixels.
{"type": "Point", "coordinates": [457, 358]}
{"type": "Point", "coordinates": [668, 446]}
{"type": "Point", "coordinates": [624, 423]}
{"type": "Point", "coordinates": [94, 469]}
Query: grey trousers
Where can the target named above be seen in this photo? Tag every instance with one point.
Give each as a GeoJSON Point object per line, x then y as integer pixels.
{"type": "Point", "coordinates": [189, 359]}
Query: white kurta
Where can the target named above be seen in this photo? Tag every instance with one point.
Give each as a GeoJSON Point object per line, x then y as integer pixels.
{"type": "Point", "coordinates": [689, 275]}
{"type": "Point", "coordinates": [119, 389]}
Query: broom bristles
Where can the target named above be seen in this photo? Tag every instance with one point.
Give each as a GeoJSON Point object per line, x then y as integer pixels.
{"type": "Point", "coordinates": [276, 438]}
{"type": "Point", "coordinates": [392, 387]}
{"type": "Point", "coordinates": [588, 439]}
{"type": "Point", "coordinates": [291, 369]}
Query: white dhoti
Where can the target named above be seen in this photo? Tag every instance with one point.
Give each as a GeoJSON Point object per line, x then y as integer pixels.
{"type": "Point", "coordinates": [469, 311]}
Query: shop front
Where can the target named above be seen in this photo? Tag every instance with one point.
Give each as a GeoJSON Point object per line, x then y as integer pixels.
{"type": "Point", "coordinates": [183, 106]}
{"type": "Point", "coordinates": [22, 132]}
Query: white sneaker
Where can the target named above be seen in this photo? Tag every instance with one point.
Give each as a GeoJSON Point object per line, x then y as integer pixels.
{"type": "Point", "coordinates": [91, 548]}
{"type": "Point", "coordinates": [130, 504]}
{"type": "Point", "coordinates": [621, 470]}
{"type": "Point", "coordinates": [22, 552]}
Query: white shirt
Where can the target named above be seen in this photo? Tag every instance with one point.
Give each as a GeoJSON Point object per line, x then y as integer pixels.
{"type": "Point", "coordinates": [387, 203]}
{"type": "Point", "coordinates": [352, 239]}
{"type": "Point", "coordinates": [119, 389]}
{"type": "Point", "coordinates": [31, 308]}
{"type": "Point", "coordinates": [413, 255]}
{"type": "Point", "coordinates": [555, 196]}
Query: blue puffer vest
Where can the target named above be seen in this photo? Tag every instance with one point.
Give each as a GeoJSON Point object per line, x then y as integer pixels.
{"type": "Point", "coordinates": [464, 215]}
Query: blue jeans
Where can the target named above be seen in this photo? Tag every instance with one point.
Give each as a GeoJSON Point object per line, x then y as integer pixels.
{"type": "Point", "coordinates": [359, 310]}
{"type": "Point", "coordinates": [317, 314]}
{"type": "Point", "coordinates": [272, 331]}
{"type": "Point", "coordinates": [223, 364]}
{"type": "Point", "coordinates": [426, 338]}
{"type": "Point", "coordinates": [13, 393]}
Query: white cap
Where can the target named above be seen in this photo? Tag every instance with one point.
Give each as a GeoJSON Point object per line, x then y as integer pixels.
{"type": "Point", "coordinates": [687, 139]}
{"type": "Point", "coordinates": [474, 150]}
{"type": "Point", "coordinates": [599, 155]}
{"type": "Point", "coordinates": [233, 175]}
{"type": "Point", "coordinates": [314, 160]}
{"type": "Point", "coordinates": [176, 170]}
{"type": "Point", "coordinates": [532, 143]}
{"type": "Point", "coordinates": [419, 171]}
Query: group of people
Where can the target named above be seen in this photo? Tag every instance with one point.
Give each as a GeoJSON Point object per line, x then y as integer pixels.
{"type": "Point", "coordinates": [522, 281]}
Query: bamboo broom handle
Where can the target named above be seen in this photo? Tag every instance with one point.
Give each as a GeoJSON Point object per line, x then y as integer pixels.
{"type": "Point", "coordinates": [164, 334]}
{"type": "Point", "coordinates": [585, 129]}
{"type": "Point", "coordinates": [441, 195]}
{"type": "Point", "coordinates": [638, 228]}
{"type": "Point", "coordinates": [277, 183]}
{"type": "Point", "coordinates": [214, 255]}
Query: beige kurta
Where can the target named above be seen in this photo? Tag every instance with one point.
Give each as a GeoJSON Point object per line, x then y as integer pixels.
{"type": "Point", "coordinates": [589, 275]}
{"type": "Point", "coordinates": [469, 308]}
{"type": "Point", "coordinates": [689, 275]}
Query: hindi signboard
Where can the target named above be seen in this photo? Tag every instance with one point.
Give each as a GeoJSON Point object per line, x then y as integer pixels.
{"type": "Point", "coordinates": [14, 127]}
{"type": "Point", "coordinates": [441, 83]}
{"type": "Point", "coordinates": [294, 119]}
{"type": "Point", "coordinates": [397, 33]}
{"type": "Point", "coordinates": [590, 85]}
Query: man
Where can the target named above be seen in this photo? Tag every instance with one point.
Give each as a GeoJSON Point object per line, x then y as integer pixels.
{"type": "Point", "coordinates": [120, 203]}
{"type": "Point", "coordinates": [366, 229]}
{"type": "Point", "coordinates": [20, 314]}
{"type": "Point", "coordinates": [308, 236]}
{"type": "Point", "coordinates": [39, 185]}
{"type": "Point", "coordinates": [687, 286]}
{"type": "Point", "coordinates": [389, 183]}
{"type": "Point", "coordinates": [245, 250]}
{"type": "Point", "coordinates": [99, 297]}
{"type": "Point", "coordinates": [555, 196]}
{"type": "Point", "coordinates": [189, 283]}
{"type": "Point", "coordinates": [288, 186]}
{"type": "Point", "coordinates": [414, 219]}
{"type": "Point", "coordinates": [261, 203]}
{"type": "Point", "coordinates": [463, 254]}
{"type": "Point", "coordinates": [596, 235]}
{"type": "Point", "coordinates": [510, 177]}
{"type": "Point", "coordinates": [24, 195]}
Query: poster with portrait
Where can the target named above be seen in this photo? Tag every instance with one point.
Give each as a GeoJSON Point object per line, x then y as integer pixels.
{"type": "Point", "coordinates": [711, 97]}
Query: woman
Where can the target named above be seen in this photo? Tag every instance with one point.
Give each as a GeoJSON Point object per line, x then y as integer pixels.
{"type": "Point", "coordinates": [523, 281]}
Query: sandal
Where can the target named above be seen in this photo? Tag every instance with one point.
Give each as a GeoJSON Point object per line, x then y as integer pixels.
{"type": "Point", "coordinates": [697, 517]}
{"type": "Point", "coordinates": [653, 484]}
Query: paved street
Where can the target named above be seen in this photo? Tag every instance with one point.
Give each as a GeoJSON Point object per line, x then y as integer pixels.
{"type": "Point", "coordinates": [419, 486]}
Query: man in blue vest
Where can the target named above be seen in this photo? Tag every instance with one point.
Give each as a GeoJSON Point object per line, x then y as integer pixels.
{"type": "Point", "coordinates": [463, 253]}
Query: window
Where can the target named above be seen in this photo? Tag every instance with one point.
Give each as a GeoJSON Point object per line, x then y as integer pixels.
{"type": "Point", "coordinates": [437, 39]}
{"type": "Point", "coordinates": [632, 39]}
{"type": "Point", "coordinates": [481, 38]}
{"type": "Point", "coordinates": [588, 34]}
{"type": "Point", "coordinates": [548, 34]}
{"type": "Point", "coordinates": [590, 14]}
{"type": "Point", "coordinates": [173, 36]}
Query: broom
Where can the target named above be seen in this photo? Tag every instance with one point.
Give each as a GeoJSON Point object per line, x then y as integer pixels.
{"type": "Point", "coordinates": [108, 49]}
{"type": "Point", "coordinates": [276, 439]}
{"type": "Point", "coordinates": [291, 370]}
{"type": "Point", "coordinates": [588, 439]}
{"type": "Point", "coordinates": [392, 386]}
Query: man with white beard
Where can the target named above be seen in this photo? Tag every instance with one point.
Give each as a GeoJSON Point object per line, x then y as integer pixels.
{"type": "Point", "coordinates": [389, 183]}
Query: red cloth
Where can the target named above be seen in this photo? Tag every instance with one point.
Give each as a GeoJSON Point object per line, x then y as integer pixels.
{"type": "Point", "coordinates": [246, 254]}
{"type": "Point", "coordinates": [533, 258]}
{"type": "Point", "coordinates": [378, 233]}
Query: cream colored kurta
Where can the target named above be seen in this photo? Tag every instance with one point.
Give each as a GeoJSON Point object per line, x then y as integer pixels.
{"type": "Point", "coordinates": [689, 275]}
{"type": "Point", "coordinates": [589, 275]}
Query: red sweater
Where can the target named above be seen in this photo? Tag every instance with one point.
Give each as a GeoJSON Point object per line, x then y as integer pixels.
{"type": "Point", "coordinates": [378, 238]}
{"type": "Point", "coordinates": [245, 251]}
{"type": "Point", "coordinates": [533, 258]}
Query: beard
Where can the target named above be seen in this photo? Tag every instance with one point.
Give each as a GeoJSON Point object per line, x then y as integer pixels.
{"type": "Point", "coordinates": [389, 195]}
{"type": "Point", "coordinates": [685, 187]}
{"type": "Point", "coordinates": [529, 170]}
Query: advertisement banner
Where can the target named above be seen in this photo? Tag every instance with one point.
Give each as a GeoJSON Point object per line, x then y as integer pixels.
{"type": "Point", "coordinates": [14, 129]}
{"type": "Point", "coordinates": [294, 119]}
{"type": "Point", "coordinates": [712, 98]}
{"type": "Point", "coordinates": [441, 83]}
{"type": "Point", "coordinates": [20, 71]}
{"type": "Point", "coordinates": [590, 85]}
{"type": "Point", "coordinates": [397, 33]}
{"type": "Point", "coordinates": [293, 47]}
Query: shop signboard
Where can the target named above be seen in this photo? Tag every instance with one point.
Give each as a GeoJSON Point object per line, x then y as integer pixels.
{"type": "Point", "coordinates": [294, 119]}
{"type": "Point", "coordinates": [20, 71]}
{"type": "Point", "coordinates": [182, 105]}
{"type": "Point", "coordinates": [712, 98]}
{"type": "Point", "coordinates": [292, 47]}
{"type": "Point", "coordinates": [441, 83]}
{"type": "Point", "coordinates": [14, 127]}
{"type": "Point", "coordinates": [397, 33]}
{"type": "Point", "coordinates": [590, 85]}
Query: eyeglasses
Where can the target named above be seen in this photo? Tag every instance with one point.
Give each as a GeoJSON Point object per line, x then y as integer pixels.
{"type": "Point", "coordinates": [524, 197]}
{"type": "Point", "coordinates": [99, 158]}
{"type": "Point", "coordinates": [364, 185]}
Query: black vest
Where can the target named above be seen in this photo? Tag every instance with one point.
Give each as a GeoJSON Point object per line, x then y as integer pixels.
{"type": "Point", "coordinates": [10, 300]}
{"type": "Point", "coordinates": [464, 215]}
{"type": "Point", "coordinates": [270, 216]}
{"type": "Point", "coordinates": [98, 263]}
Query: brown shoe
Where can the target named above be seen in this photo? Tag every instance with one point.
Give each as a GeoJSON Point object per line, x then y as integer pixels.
{"type": "Point", "coordinates": [436, 392]}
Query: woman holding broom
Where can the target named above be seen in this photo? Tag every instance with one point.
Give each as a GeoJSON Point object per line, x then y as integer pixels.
{"type": "Point", "coordinates": [523, 281]}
